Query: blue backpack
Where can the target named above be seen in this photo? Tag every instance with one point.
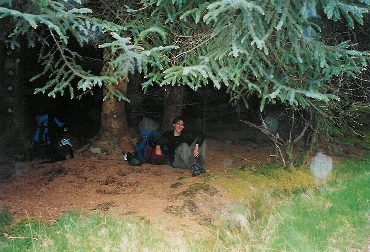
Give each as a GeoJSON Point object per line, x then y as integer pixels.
{"type": "Point", "coordinates": [146, 138]}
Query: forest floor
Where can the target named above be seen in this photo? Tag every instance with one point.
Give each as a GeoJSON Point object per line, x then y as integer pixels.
{"type": "Point", "coordinates": [169, 199]}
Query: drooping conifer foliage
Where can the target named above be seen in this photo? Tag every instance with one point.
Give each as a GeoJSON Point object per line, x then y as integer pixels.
{"type": "Point", "coordinates": [271, 47]}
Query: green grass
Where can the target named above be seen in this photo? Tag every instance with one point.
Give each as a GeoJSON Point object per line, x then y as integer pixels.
{"type": "Point", "coordinates": [332, 216]}
{"type": "Point", "coordinates": [75, 232]}
{"type": "Point", "coordinates": [5, 218]}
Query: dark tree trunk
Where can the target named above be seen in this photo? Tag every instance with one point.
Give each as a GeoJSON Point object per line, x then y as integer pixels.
{"type": "Point", "coordinates": [134, 110]}
{"type": "Point", "coordinates": [113, 120]}
{"type": "Point", "coordinates": [14, 140]}
{"type": "Point", "coordinates": [172, 105]}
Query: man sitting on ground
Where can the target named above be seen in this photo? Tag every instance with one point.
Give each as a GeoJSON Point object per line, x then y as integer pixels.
{"type": "Point", "coordinates": [186, 149]}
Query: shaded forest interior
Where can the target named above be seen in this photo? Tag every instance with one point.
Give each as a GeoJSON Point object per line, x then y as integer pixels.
{"type": "Point", "coordinates": [205, 109]}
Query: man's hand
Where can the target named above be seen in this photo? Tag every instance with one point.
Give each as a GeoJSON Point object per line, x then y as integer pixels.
{"type": "Point", "coordinates": [196, 150]}
{"type": "Point", "coordinates": [158, 150]}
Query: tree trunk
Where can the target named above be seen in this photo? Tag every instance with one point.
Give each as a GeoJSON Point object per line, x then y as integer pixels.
{"type": "Point", "coordinates": [134, 110]}
{"type": "Point", "coordinates": [113, 120]}
{"type": "Point", "coordinates": [14, 141]}
{"type": "Point", "coordinates": [172, 105]}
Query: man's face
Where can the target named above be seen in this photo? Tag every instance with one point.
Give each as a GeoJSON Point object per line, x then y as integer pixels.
{"type": "Point", "coordinates": [179, 126]}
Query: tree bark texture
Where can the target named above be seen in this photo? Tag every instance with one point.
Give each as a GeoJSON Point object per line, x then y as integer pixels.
{"type": "Point", "coordinates": [172, 105]}
{"type": "Point", "coordinates": [13, 129]}
{"type": "Point", "coordinates": [113, 116]}
{"type": "Point", "coordinates": [134, 110]}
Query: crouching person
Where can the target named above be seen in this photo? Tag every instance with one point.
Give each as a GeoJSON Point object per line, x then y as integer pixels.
{"type": "Point", "coordinates": [185, 148]}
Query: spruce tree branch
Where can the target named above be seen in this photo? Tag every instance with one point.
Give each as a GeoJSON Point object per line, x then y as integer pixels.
{"type": "Point", "coordinates": [66, 61]}
{"type": "Point", "coordinates": [196, 47]}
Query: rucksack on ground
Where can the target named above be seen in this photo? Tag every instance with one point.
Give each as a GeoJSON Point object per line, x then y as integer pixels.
{"type": "Point", "coordinates": [147, 141]}
{"type": "Point", "coordinates": [152, 158]}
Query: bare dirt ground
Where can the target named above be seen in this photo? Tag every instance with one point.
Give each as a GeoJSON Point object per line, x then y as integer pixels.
{"type": "Point", "coordinates": [169, 199]}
